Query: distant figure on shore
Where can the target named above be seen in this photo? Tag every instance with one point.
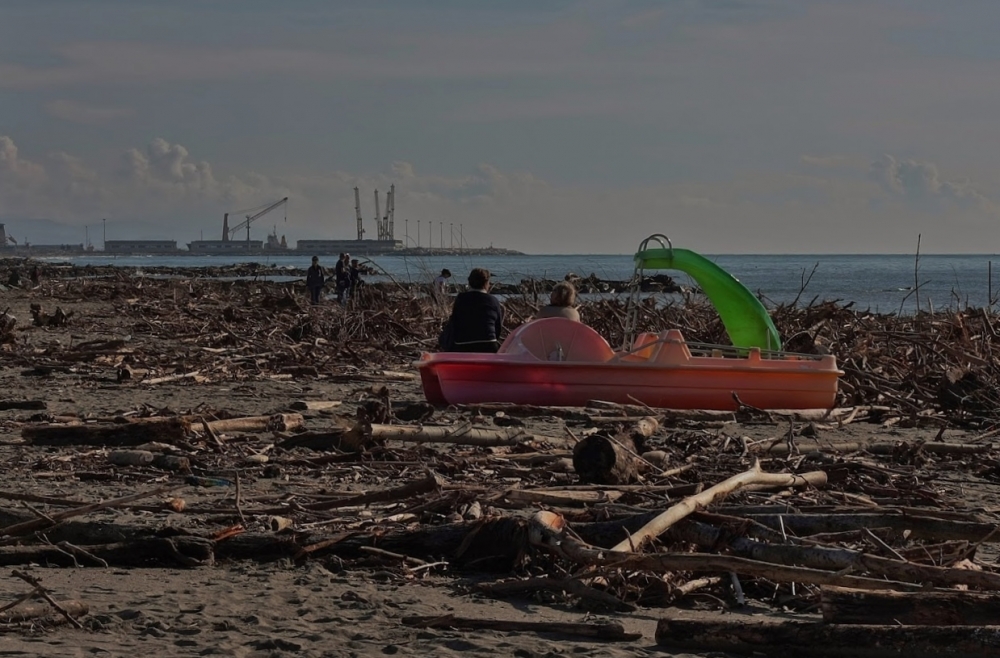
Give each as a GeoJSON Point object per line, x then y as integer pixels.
{"type": "Point", "coordinates": [14, 278]}
{"type": "Point", "coordinates": [355, 273]}
{"type": "Point", "coordinates": [561, 302]}
{"type": "Point", "coordinates": [36, 276]}
{"type": "Point", "coordinates": [439, 289]}
{"type": "Point", "coordinates": [343, 276]}
{"type": "Point", "coordinates": [315, 280]}
{"type": "Point", "coordinates": [476, 318]}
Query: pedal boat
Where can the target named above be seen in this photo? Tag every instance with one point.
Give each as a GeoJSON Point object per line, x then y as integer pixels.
{"type": "Point", "coordinates": [558, 362]}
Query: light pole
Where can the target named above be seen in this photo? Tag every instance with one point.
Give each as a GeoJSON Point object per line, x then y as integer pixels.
{"type": "Point", "coordinates": [418, 234]}
{"type": "Point", "coordinates": [406, 239]}
{"type": "Point", "coordinates": [86, 237]}
{"type": "Point", "coordinates": [451, 234]}
{"type": "Point", "coordinates": [104, 222]}
{"type": "Point", "coordinates": [461, 237]}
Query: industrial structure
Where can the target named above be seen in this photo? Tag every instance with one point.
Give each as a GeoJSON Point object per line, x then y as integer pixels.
{"type": "Point", "coordinates": [231, 244]}
{"type": "Point", "coordinates": [141, 247]}
{"type": "Point", "coordinates": [228, 246]}
{"type": "Point", "coordinates": [8, 245]}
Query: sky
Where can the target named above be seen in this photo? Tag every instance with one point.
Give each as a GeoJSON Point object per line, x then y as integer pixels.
{"type": "Point", "coordinates": [731, 126]}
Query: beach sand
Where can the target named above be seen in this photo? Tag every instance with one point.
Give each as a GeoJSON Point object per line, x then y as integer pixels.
{"type": "Point", "coordinates": [246, 608]}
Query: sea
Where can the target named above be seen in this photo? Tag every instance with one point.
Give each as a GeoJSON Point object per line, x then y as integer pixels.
{"type": "Point", "coordinates": [883, 283]}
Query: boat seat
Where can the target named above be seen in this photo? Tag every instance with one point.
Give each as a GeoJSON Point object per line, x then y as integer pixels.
{"type": "Point", "coordinates": [674, 350]}
{"type": "Point", "coordinates": [558, 339]}
{"type": "Point", "coordinates": [645, 347]}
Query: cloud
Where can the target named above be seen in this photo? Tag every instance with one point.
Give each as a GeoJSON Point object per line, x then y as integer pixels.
{"type": "Point", "coordinates": [77, 112]}
{"type": "Point", "coordinates": [164, 191]}
{"type": "Point", "coordinates": [917, 180]}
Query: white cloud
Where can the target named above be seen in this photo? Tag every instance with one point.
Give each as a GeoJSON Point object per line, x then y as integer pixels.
{"type": "Point", "coordinates": [919, 181]}
{"type": "Point", "coordinates": [77, 112]}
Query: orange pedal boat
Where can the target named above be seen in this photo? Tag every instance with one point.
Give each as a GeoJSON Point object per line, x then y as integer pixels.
{"type": "Point", "coordinates": [558, 362]}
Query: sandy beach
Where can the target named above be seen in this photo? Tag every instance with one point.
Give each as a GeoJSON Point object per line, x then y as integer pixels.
{"type": "Point", "coordinates": [208, 352]}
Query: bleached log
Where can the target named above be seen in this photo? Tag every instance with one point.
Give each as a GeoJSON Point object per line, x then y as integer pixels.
{"type": "Point", "coordinates": [275, 423]}
{"type": "Point", "coordinates": [465, 435]}
{"type": "Point", "coordinates": [693, 503]}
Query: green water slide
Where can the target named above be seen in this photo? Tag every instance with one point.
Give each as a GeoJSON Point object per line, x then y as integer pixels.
{"type": "Point", "coordinates": [746, 320]}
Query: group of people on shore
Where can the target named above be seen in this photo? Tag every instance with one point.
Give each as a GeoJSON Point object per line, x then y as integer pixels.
{"type": "Point", "coordinates": [476, 320]}
{"type": "Point", "coordinates": [347, 278]}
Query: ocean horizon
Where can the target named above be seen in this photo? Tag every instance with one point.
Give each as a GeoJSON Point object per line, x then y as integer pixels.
{"type": "Point", "coordinates": [880, 282]}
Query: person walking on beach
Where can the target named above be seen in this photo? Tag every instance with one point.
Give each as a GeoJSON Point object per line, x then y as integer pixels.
{"type": "Point", "coordinates": [36, 276]}
{"type": "Point", "coordinates": [315, 280]}
{"type": "Point", "coordinates": [476, 318]}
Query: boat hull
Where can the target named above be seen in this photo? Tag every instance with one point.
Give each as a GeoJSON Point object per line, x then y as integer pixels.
{"type": "Point", "coordinates": [471, 379]}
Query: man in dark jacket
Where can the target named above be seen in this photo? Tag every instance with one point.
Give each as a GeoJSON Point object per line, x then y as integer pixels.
{"type": "Point", "coordinates": [315, 280]}
{"type": "Point", "coordinates": [477, 317]}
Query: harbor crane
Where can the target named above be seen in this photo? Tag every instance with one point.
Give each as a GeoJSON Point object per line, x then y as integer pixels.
{"type": "Point", "coordinates": [357, 210]}
{"type": "Point", "coordinates": [384, 223]}
{"type": "Point", "coordinates": [227, 232]}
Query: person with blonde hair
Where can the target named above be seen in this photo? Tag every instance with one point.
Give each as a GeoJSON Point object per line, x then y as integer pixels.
{"type": "Point", "coordinates": [561, 303]}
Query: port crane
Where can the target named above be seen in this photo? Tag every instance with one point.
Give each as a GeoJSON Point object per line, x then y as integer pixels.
{"type": "Point", "coordinates": [227, 232]}
{"type": "Point", "coordinates": [357, 210]}
{"type": "Point", "coordinates": [384, 223]}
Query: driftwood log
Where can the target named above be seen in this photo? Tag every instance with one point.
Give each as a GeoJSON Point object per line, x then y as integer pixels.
{"type": "Point", "coordinates": [834, 558]}
{"type": "Point", "coordinates": [691, 504]}
{"type": "Point", "coordinates": [606, 459]}
{"type": "Point", "coordinates": [806, 638]}
{"type": "Point", "coordinates": [149, 552]}
{"type": "Point", "coordinates": [463, 435]}
{"type": "Point", "coordinates": [549, 532]}
{"type": "Point", "coordinates": [850, 606]}
{"type": "Point", "coordinates": [920, 527]}
{"type": "Point", "coordinates": [35, 611]}
{"type": "Point", "coordinates": [133, 433]}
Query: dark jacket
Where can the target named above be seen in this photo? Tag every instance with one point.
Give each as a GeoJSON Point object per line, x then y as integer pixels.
{"type": "Point", "coordinates": [343, 274]}
{"type": "Point", "coordinates": [476, 317]}
{"type": "Point", "coordinates": [315, 277]}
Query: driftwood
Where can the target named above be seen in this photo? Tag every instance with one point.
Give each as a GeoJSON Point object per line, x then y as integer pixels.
{"type": "Point", "coordinates": [921, 527]}
{"type": "Point", "coordinates": [148, 552]}
{"type": "Point", "coordinates": [35, 611]}
{"type": "Point", "coordinates": [314, 405]}
{"type": "Point", "coordinates": [606, 459]}
{"type": "Point", "coordinates": [27, 527]}
{"type": "Point", "coordinates": [850, 606]}
{"type": "Point", "coordinates": [611, 631]}
{"type": "Point", "coordinates": [274, 423]}
{"type": "Point", "coordinates": [570, 586]}
{"type": "Point", "coordinates": [160, 430]}
{"type": "Point", "coordinates": [805, 638]}
{"type": "Point", "coordinates": [22, 404]}
{"type": "Point", "coordinates": [548, 531]}
{"type": "Point", "coordinates": [465, 435]}
{"type": "Point", "coordinates": [836, 559]}
{"type": "Point", "coordinates": [692, 504]}
{"type": "Point", "coordinates": [415, 488]}
{"type": "Point", "coordinates": [776, 448]}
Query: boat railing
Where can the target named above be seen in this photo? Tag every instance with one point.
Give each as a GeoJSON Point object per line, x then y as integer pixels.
{"type": "Point", "coordinates": [717, 351]}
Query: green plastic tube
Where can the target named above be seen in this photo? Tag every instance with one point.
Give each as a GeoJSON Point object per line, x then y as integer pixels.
{"type": "Point", "coordinates": [746, 320]}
